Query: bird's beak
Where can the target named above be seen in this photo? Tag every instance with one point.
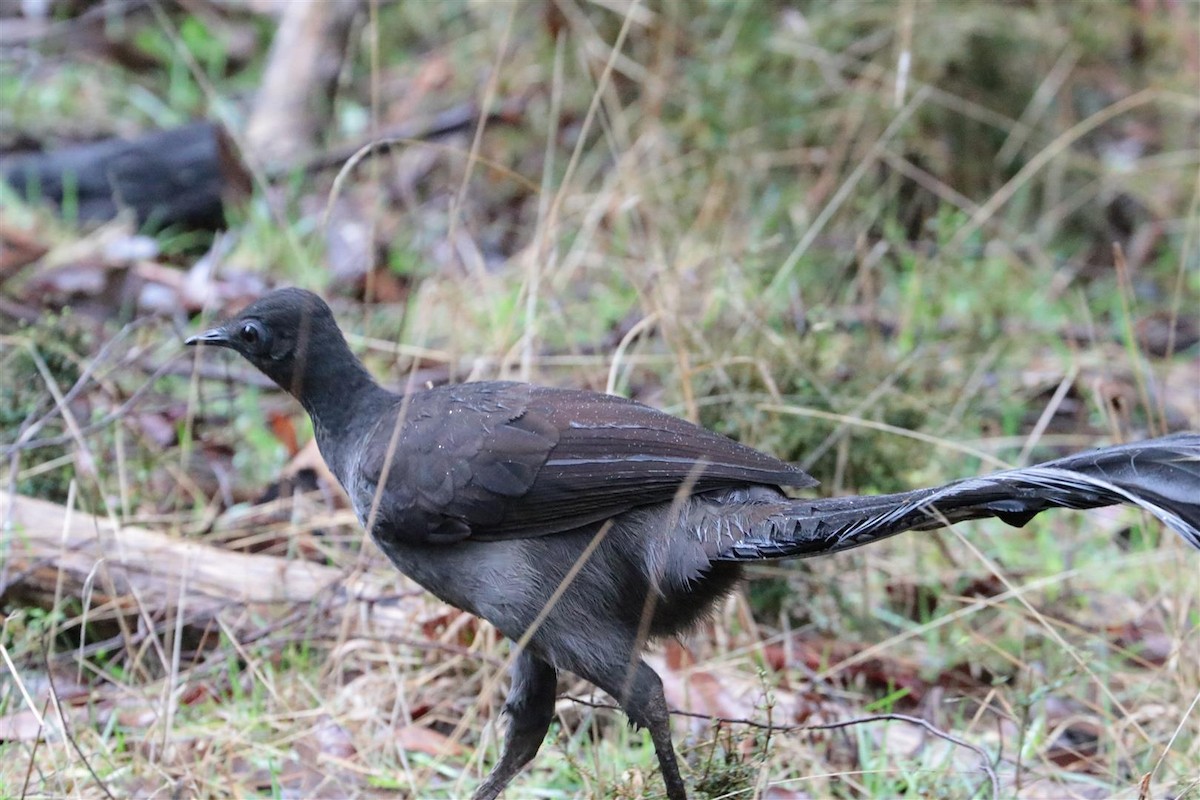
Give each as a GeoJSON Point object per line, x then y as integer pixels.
{"type": "Point", "coordinates": [217, 337]}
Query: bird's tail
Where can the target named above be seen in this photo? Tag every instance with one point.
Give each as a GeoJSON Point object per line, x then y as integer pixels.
{"type": "Point", "coordinates": [1161, 475]}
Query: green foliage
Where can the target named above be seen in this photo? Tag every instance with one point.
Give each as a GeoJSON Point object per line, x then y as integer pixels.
{"type": "Point", "coordinates": [887, 703]}
{"type": "Point", "coordinates": [727, 772]}
{"type": "Point", "coordinates": [259, 455]}
{"type": "Point", "coordinates": [769, 596]}
{"type": "Point", "coordinates": [29, 628]}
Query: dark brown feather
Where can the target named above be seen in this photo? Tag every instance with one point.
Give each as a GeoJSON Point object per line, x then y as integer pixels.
{"type": "Point", "coordinates": [512, 460]}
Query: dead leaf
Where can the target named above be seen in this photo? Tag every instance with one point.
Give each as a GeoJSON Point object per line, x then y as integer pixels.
{"type": "Point", "coordinates": [419, 739]}
{"type": "Point", "coordinates": [784, 793]}
{"type": "Point", "coordinates": [332, 739]}
{"type": "Point", "coordinates": [21, 726]}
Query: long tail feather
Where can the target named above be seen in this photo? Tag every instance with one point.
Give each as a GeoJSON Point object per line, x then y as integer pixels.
{"type": "Point", "coordinates": [1161, 476]}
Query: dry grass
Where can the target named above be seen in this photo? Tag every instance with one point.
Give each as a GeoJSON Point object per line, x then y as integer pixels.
{"type": "Point", "coordinates": [814, 231]}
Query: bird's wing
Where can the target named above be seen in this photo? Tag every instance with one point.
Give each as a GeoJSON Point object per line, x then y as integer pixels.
{"type": "Point", "coordinates": [508, 460]}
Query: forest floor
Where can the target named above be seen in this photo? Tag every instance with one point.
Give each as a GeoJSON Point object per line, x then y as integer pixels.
{"type": "Point", "coordinates": [896, 243]}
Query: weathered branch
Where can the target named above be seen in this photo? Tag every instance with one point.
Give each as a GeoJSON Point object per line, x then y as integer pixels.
{"type": "Point", "coordinates": [44, 543]}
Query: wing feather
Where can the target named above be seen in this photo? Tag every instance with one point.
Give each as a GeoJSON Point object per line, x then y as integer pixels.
{"type": "Point", "coordinates": [499, 460]}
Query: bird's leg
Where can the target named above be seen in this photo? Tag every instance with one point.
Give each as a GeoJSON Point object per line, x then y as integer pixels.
{"type": "Point", "coordinates": [639, 690]}
{"type": "Point", "coordinates": [530, 708]}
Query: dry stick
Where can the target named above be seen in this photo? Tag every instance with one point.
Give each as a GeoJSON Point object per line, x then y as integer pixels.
{"type": "Point", "coordinates": [452, 120]}
{"type": "Point", "coordinates": [94, 427]}
{"type": "Point", "coordinates": [635, 331]}
{"type": "Point", "coordinates": [930, 182]}
{"type": "Point", "coordinates": [489, 94]}
{"type": "Point", "coordinates": [948, 444]}
{"type": "Point", "coordinates": [385, 144]}
{"type": "Point", "coordinates": [102, 564]}
{"type": "Point", "coordinates": [1060, 143]}
{"type": "Point", "coordinates": [925, 179]}
{"type": "Point", "coordinates": [588, 356]}
{"type": "Point", "coordinates": [252, 663]}
{"type": "Point", "coordinates": [12, 668]}
{"type": "Point", "coordinates": [1043, 96]}
{"type": "Point", "coordinates": [552, 217]}
{"type": "Point", "coordinates": [170, 699]}
{"type": "Point", "coordinates": [839, 434]}
{"type": "Point", "coordinates": [843, 193]}
{"type": "Point", "coordinates": [85, 599]}
{"type": "Point", "coordinates": [242, 377]}
{"type": "Point", "coordinates": [971, 386]}
{"type": "Point", "coordinates": [1048, 413]}
{"type": "Point", "coordinates": [88, 462]}
{"type": "Point", "coordinates": [544, 243]}
{"type": "Point", "coordinates": [143, 614]}
{"type": "Point", "coordinates": [27, 431]}
{"type": "Point", "coordinates": [360, 564]}
{"type": "Point", "coordinates": [89, 467]}
{"type": "Point", "coordinates": [770, 727]}
{"type": "Point", "coordinates": [60, 574]}
{"type": "Point", "coordinates": [880, 75]}
{"type": "Point", "coordinates": [1049, 628]}
{"type": "Point", "coordinates": [37, 740]}
{"type": "Point", "coordinates": [867, 653]}
{"type": "Point", "coordinates": [374, 179]}
{"type": "Point", "coordinates": [1126, 294]}
{"type": "Point", "coordinates": [904, 58]}
{"type": "Point", "coordinates": [586, 126]}
{"type": "Point", "coordinates": [1174, 735]}
{"type": "Point", "coordinates": [66, 731]}
{"type": "Point", "coordinates": [984, 761]}
{"type": "Point", "coordinates": [1144, 787]}
{"type": "Point", "coordinates": [1187, 248]}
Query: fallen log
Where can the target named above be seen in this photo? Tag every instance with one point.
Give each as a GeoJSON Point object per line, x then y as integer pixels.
{"type": "Point", "coordinates": [173, 177]}
{"type": "Point", "coordinates": [48, 550]}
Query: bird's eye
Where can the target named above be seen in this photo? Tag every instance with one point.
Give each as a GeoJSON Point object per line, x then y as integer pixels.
{"type": "Point", "coordinates": [254, 337]}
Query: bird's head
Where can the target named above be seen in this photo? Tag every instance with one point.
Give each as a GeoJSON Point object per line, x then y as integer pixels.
{"type": "Point", "coordinates": [286, 334]}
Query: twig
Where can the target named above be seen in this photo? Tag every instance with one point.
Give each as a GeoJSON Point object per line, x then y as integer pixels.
{"type": "Point", "coordinates": [452, 120]}
{"type": "Point", "coordinates": [62, 28]}
{"type": "Point", "coordinates": [210, 371]}
{"type": "Point", "coordinates": [87, 430]}
{"type": "Point", "coordinates": [62, 719]}
{"type": "Point", "coordinates": [37, 740]}
{"type": "Point", "coordinates": [985, 762]}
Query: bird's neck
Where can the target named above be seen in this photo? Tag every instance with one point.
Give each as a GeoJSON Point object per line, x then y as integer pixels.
{"type": "Point", "coordinates": [338, 393]}
{"type": "Point", "coordinates": [333, 396]}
